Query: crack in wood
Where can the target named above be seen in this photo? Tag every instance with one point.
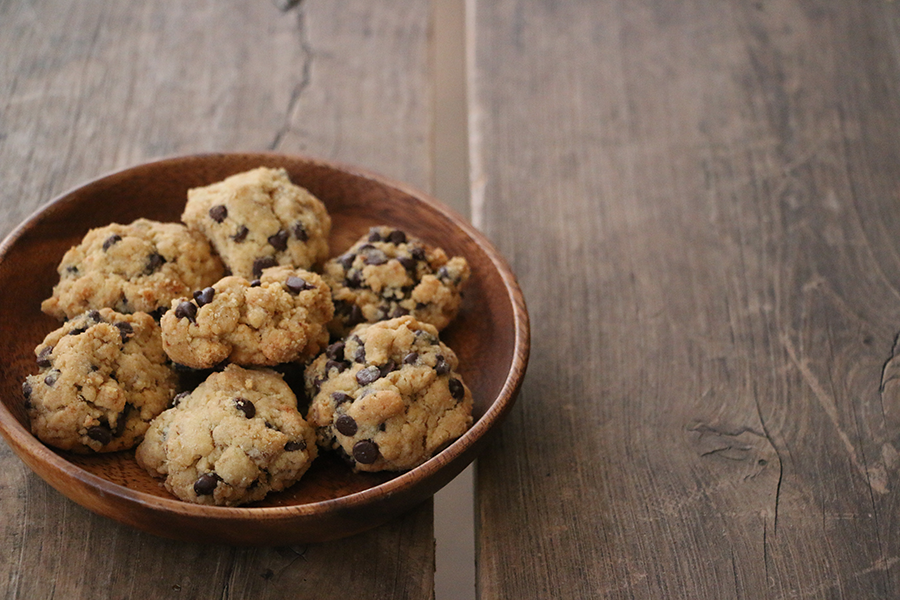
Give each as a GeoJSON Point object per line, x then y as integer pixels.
{"type": "Point", "coordinates": [828, 404]}
{"type": "Point", "coordinates": [286, 5]}
{"type": "Point", "coordinates": [305, 77]}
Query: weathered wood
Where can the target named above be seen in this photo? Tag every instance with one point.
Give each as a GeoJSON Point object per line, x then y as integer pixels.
{"type": "Point", "coordinates": [86, 88]}
{"type": "Point", "coordinates": [700, 200]}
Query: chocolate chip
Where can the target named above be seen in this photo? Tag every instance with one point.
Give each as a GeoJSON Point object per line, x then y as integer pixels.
{"type": "Point", "coordinates": [122, 419]}
{"type": "Point", "coordinates": [204, 296]}
{"type": "Point", "coordinates": [186, 310]}
{"type": "Point", "coordinates": [255, 283]}
{"type": "Point", "coordinates": [43, 357]}
{"type": "Point", "coordinates": [246, 407]}
{"type": "Point", "coordinates": [382, 427]}
{"type": "Point", "coordinates": [317, 385]}
{"type": "Point", "coordinates": [241, 234]}
{"type": "Point", "coordinates": [111, 240]}
{"type": "Point", "coordinates": [365, 452]}
{"type": "Point", "coordinates": [79, 330]}
{"type": "Point", "coordinates": [417, 253]}
{"type": "Point", "coordinates": [100, 433]}
{"type": "Point", "coordinates": [178, 398]}
{"type": "Point", "coordinates": [26, 390]}
{"type": "Point", "coordinates": [295, 285]}
{"type": "Point", "coordinates": [376, 257]}
{"type": "Point", "coordinates": [125, 330]}
{"type": "Point", "coordinates": [346, 260]}
{"type": "Point", "coordinates": [354, 280]}
{"type": "Point", "coordinates": [294, 446]}
{"type": "Point", "coordinates": [51, 378]}
{"type": "Point", "coordinates": [408, 263]}
{"type": "Point", "coordinates": [218, 213]}
{"type": "Point", "coordinates": [374, 235]}
{"type": "Point", "coordinates": [335, 351]}
{"type": "Point", "coordinates": [206, 484]}
{"type": "Point", "coordinates": [440, 365]}
{"type": "Point", "coordinates": [387, 368]}
{"type": "Point", "coordinates": [356, 316]}
{"type": "Point", "coordinates": [398, 311]}
{"type": "Point", "coordinates": [368, 375]}
{"type": "Point", "coordinates": [411, 358]}
{"type": "Point", "coordinates": [72, 269]}
{"type": "Point", "coordinates": [397, 237]}
{"type": "Point", "coordinates": [154, 262]}
{"type": "Point", "coordinates": [456, 389]}
{"type": "Point", "coordinates": [360, 355]}
{"type": "Point", "coordinates": [341, 398]}
{"type": "Point", "coordinates": [299, 231]}
{"type": "Point", "coordinates": [279, 240]}
{"type": "Point", "coordinates": [346, 425]}
{"type": "Point", "coordinates": [263, 263]}
{"type": "Point", "coordinates": [334, 364]}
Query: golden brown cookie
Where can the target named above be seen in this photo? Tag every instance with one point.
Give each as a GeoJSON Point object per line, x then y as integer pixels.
{"type": "Point", "coordinates": [387, 274]}
{"type": "Point", "coordinates": [388, 397]}
{"type": "Point", "coordinates": [103, 378]}
{"type": "Point", "coordinates": [280, 317]}
{"type": "Point", "coordinates": [234, 439]}
{"type": "Point", "coordinates": [259, 219]}
{"type": "Point", "coordinates": [138, 267]}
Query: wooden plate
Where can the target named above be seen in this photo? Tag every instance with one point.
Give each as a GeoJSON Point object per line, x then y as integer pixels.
{"type": "Point", "coordinates": [490, 335]}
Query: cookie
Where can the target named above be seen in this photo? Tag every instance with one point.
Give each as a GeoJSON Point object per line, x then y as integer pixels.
{"type": "Point", "coordinates": [232, 440]}
{"type": "Point", "coordinates": [388, 397]}
{"type": "Point", "coordinates": [103, 377]}
{"type": "Point", "coordinates": [388, 274]}
{"type": "Point", "coordinates": [139, 267]}
{"type": "Point", "coordinates": [280, 317]}
{"type": "Point", "coordinates": [259, 219]}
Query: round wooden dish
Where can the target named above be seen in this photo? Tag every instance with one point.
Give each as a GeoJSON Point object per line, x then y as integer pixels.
{"type": "Point", "coordinates": [491, 337]}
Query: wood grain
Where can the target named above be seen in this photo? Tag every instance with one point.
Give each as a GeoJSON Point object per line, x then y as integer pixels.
{"type": "Point", "coordinates": [87, 88]}
{"type": "Point", "coordinates": [700, 200]}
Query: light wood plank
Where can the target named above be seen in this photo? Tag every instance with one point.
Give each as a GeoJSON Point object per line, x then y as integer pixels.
{"type": "Point", "coordinates": [701, 201]}
{"type": "Point", "coordinates": [86, 88]}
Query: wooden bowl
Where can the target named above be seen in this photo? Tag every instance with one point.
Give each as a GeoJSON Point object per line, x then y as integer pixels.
{"type": "Point", "coordinates": [490, 335]}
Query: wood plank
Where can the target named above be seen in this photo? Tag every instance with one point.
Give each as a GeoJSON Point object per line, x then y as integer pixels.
{"type": "Point", "coordinates": [700, 199]}
{"type": "Point", "coordinates": [87, 88]}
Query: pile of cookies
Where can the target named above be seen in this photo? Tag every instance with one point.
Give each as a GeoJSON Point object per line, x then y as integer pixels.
{"type": "Point", "coordinates": [242, 287]}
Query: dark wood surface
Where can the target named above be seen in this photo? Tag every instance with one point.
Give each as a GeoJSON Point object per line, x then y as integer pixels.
{"type": "Point", "coordinates": [87, 88]}
{"type": "Point", "coordinates": [702, 202]}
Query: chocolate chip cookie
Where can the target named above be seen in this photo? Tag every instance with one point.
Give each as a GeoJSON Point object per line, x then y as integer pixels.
{"type": "Point", "coordinates": [139, 267]}
{"type": "Point", "coordinates": [280, 317]}
{"type": "Point", "coordinates": [388, 396]}
{"type": "Point", "coordinates": [234, 439]}
{"type": "Point", "coordinates": [259, 219]}
{"type": "Point", "coordinates": [103, 377]}
{"type": "Point", "coordinates": [388, 274]}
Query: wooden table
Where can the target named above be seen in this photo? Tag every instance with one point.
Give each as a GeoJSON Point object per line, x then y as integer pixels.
{"type": "Point", "coordinates": [701, 200]}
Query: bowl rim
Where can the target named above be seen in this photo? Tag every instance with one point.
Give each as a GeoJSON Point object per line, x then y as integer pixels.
{"type": "Point", "coordinates": [22, 440]}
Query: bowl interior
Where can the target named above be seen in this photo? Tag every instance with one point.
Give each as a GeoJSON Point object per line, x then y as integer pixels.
{"type": "Point", "coordinates": [483, 335]}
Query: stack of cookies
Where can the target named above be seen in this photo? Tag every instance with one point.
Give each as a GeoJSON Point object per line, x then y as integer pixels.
{"type": "Point", "coordinates": [233, 295]}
